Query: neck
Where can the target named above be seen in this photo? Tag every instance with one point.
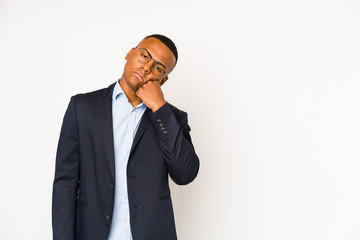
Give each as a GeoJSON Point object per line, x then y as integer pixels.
{"type": "Point", "coordinates": [129, 92]}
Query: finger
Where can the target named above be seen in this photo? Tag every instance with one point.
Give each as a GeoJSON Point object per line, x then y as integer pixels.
{"type": "Point", "coordinates": [156, 82]}
{"type": "Point", "coordinates": [152, 81]}
{"type": "Point", "coordinates": [139, 92]}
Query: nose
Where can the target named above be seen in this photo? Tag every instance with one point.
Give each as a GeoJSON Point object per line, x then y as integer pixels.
{"type": "Point", "coordinates": [147, 67]}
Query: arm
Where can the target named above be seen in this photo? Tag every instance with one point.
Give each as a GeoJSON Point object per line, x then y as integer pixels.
{"type": "Point", "coordinates": [174, 137]}
{"type": "Point", "coordinates": [181, 160]}
{"type": "Point", "coordinates": [66, 179]}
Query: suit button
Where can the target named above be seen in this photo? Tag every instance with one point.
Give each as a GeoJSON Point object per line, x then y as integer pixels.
{"type": "Point", "coordinates": [112, 186]}
{"type": "Point", "coordinates": [108, 217]}
{"type": "Point", "coordinates": [158, 120]}
{"type": "Point", "coordinates": [161, 124]}
{"type": "Point", "coordinates": [165, 132]}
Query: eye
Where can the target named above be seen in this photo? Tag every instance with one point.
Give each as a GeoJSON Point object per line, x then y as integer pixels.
{"type": "Point", "coordinates": [159, 69]}
{"type": "Point", "coordinates": [145, 56]}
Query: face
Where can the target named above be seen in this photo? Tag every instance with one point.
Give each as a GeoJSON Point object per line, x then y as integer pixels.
{"type": "Point", "coordinates": [137, 73]}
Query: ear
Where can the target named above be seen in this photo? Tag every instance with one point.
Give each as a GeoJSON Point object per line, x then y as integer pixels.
{"type": "Point", "coordinates": [163, 80]}
{"type": "Point", "coordinates": [129, 53]}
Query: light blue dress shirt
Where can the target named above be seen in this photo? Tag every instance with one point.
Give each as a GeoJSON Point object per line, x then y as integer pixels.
{"type": "Point", "coordinates": [126, 119]}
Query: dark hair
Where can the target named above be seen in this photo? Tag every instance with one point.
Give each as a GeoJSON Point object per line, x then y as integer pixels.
{"type": "Point", "coordinates": [168, 42]}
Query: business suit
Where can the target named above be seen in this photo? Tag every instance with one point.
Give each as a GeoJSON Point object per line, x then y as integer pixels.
{"type": "Point", "coordinates": [83, 190]}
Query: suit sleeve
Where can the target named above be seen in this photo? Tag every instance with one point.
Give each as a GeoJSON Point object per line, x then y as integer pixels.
{"type": "Point", "coordinates": [175, 142]}
{"type": "Point", "coordinates": [66, 179]}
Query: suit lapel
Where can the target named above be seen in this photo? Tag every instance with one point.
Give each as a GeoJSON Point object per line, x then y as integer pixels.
{"type": "Point", "coordinates": [142, 126]}
{"type": "Point", "coordinates": [107, 128]}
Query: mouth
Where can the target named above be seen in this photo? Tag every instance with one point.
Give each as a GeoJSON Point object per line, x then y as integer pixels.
{"type": "Point", "coordinates": [138, 75]}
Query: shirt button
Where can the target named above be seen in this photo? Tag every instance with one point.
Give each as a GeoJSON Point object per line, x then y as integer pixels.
{"type": "Point", "coordinates": [161, 124]}
{"type": "Point", "coordinates": [165, 132]}
{"type": "Point", "coordinates": [108, 217]}
{"type": "Point", "coordinates": [158, 120]}
{"type": "Point", "coordinates": [162, 128]}
{"type": "Point", "coordinates": [112, 186]}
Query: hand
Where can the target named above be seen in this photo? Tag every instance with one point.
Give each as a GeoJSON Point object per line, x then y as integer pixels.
{"type": "Point", "coordinates": [152, 95]}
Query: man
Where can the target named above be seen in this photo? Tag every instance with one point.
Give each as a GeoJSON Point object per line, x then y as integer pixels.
{"type": "Point", "coordinates": [117, 147]}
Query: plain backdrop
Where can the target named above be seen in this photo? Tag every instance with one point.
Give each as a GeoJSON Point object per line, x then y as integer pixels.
{"type": "Point", "coordinates": [271, 89]}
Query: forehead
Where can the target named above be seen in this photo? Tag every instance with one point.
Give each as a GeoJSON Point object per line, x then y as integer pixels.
{"type": "Point", "coordinates": [159, 51]}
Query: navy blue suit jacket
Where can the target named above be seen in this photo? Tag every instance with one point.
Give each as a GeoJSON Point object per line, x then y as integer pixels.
{"type": "Point", "coordinates": [83, 188]}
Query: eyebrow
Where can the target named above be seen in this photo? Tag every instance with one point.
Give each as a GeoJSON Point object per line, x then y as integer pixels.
{"type": "Point", "coordinates": [154, 59]}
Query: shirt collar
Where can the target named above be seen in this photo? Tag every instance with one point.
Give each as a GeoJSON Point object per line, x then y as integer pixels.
{"type": "Point", "coordinates": [118, 91]}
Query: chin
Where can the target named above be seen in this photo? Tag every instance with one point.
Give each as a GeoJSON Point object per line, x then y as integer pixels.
{"type": "Point", "coordinates": [133, 83]}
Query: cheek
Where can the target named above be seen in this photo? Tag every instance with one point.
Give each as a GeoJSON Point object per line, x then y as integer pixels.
{"type": "Point", "coordinates": [128, 68]}
{"type": "Point", "coordinates": [133, 64]}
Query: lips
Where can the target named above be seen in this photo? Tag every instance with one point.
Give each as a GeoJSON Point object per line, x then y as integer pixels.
{"type": "Point", "coordinates": [139, 76]}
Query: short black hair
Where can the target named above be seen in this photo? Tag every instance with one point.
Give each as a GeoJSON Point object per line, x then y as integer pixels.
{"type": "Point", "coordinates": [168, 42]}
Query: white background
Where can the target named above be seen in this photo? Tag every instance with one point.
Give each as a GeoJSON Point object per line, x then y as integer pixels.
{"type": "Point", "coordinates": [271, 89]}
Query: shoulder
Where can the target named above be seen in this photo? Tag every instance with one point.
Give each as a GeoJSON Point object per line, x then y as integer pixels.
{"type": "Point", "coordinates": [94, 96]}
{"type": "Point", "coordinates": [177, 112]}
{"type": "Point", "coordinates": [180, 115]}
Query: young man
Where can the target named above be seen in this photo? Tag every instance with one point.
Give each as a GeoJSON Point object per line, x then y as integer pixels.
{"type": "Point", "coordinates": [117, 147]}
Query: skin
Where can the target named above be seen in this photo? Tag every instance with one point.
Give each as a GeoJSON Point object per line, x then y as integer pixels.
{"type": "Point", "coordinates": [138, 82]}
